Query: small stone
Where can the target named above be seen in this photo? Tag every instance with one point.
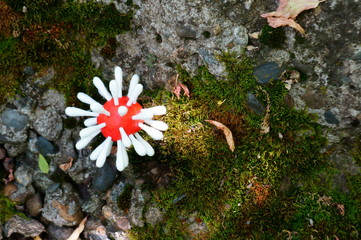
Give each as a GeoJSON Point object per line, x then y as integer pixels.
{"type": "Point", "coordinates": [22, 193]}
{"type": "Point", "coordinates": [123, 223]}
{"type": "Point", "coordinates": [45, 147]}
{"type": "Point", "coordinates": [15, 149]}
{"type": "Point", "coordinates": [14, 119]}
{"type": "Point", "coordinates": [185, 32]}
{"type": "Point", "coordinates": [34, 205]}
{"type": "Point", "coordinates": [330, 117]}
{"type": "Point", "coordinates": [26, 227]}
{"type": "Point", "coordinates": [62, 207]}
{"type": "Point", "coordinates": [59, 233]}
{"type": "Point", "coordinates": [9, 189]}
{"type": "Point", "coordinates": [136, 208]}
{"type": "Point", "coordinates": [266, 72]}
{"type": "Point", "coordinates": [207, 57]}
{"type": "Point", "coordinates": [48, 123]}
{"type": "Point", "coordinates": [254, 104]}
{"type": "Point", "coordinates": [23, 175]}
{"type": "Point", "coordinates": [153, 215]}
{"type": "Point", "coordinates": [104, 177]}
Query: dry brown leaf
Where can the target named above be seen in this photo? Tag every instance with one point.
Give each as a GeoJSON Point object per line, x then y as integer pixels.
{"type": "Point", "coordinates": [75, 235]}
{"type": "Point", "coordinates": [341, 208]}
{"type": "Point", "coordinates": [265, 127]}
{"type": "Point", "coordinates": [37, 238]}
{"type": "Point", "coordinates": [226, 131]}
{"type": "Point", "coordinates": [287, 12]}
{"type": "Point", "coordinates": [67, 166]}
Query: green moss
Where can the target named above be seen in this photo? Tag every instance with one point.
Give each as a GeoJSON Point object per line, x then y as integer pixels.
{"type": "Point", "coordinates": [60, 34]}
{"type": "Point", "coordinates": [269, 187]}
{"type": "Point", "coordinates": [124, 199]}
{"type": "Point", "coordinates": [7, 209]}
{"type": "Point", "coordinates": [273, 37]}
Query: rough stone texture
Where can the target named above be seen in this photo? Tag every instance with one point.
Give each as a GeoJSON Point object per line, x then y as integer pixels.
{"type": "Point", "coordinates": [83, 168]}
{"type": "Point", "coordinates": [13, 126]}
{"type": "Point", "coordinates": [153, 215]}
{"type": "Point", "coordinates": [58, 233]}
{"type": "Point", "coordinates": [136, 208]}
{"type": "Point", "coordinates": [104, 177]}
{"type": "Point", "coordinates": [61, 206]}
{"type": "Point", "coordinates": [23, 175]}
{"type": "Point", "coordinates": [47, 122]}
{"type": "Point", "coordinates": [22, 193]}
{"type": "Point", "coordinates": [15, 149]}
{"type": "Point", "coordinates": [34, 205]}
{"type": "Point", "coordinates": [26, 227]}
{"type": "Point", "coordinates": [66, 148]}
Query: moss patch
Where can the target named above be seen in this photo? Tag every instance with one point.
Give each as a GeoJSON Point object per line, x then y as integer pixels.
{"type": "Point", "coordinates": [270, 187]}
{"type": "Point", "coordinates": [60, 34]}
{"type": "Point", "coordinates": [273, 37]}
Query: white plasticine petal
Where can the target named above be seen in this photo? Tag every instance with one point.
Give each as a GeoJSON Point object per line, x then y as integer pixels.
{"type": "Point", "coordinates": [103, 154]}
{"type": "Point", "coordinates": [139, 148]}
{"type": "Point", "coordinates": [122, 110]}
{"type": "Point", "coordinates": [90, 130]}
{"type": "Point", "coordinates": [95, 154]}
{"type": "Point", "coordinates": [98, 108]}
{"type": "Point", "coordinates": [101, 88]}
{"type": "Point", "coordinates": [85, 141]}
{"type": "Point", "coordinates": [158, 110]}
{"type": "Point", "coordinates": [149, 149]}
{"type": "Point", "coordinates": [119, 79]}
{"type": "Point", "coordinates": [85, 98]}
{"type": "Point", "coordinates": [125, 139]}
{"type": "Point", "coordinates": [154, 133]}
{"type": "Point", "coordinates": [160, 125]}
{"type": "Point", "coordinates": [143, 116]}
{"type": "Point", "coordinates": [120, 161]}
{"type": "Point", "coordinates": [135, 94]}
{"type": "Point", "coordinates": [125, 156]}
{"type": "Point", "coordinates": [77, 112]}
{"type": "Point", "coordinates": [133, 82]}
{"type": "Point", "coordinates": [113, 86]}
{"type": "Point", "coordinates": [90, 122]}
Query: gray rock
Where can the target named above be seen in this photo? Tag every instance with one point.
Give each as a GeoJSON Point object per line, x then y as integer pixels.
{"type": "Point", "coordinates": [48, 123]}
{"type": "Point", "coordinates": [15, 149]}
{"type": "Point", "coordinates": [13, 126]}
{"type": "Point", "coordinates": [185, 31]}
{"type": "Point", "coordinates": [26, 227]}
{"type": "Point", "coordinates": [104, 177]}
{"type": "Point", "coordinates": [22, 193]}
{"type": "Point", "coordinates": [42, 181]}
{"type": "Point", "coordinates": [254, 104]}
{"type": "Point", "coordinates": [12, 118]}
{"type": "Point", "coordinates": [266, 72]}
{"type": "Point", "coordinates": [66, 149]}
{"type": "Point", "coordinates": [115, 192]}
{"type": "Point", "coordinates": [83, 168]}
{"type": "Point", "coordinates": [58, 233]}
{"type": "Point", "coordinates": [153, 215]}
{"type": "Point", "coordinates": [24, 175]}
{"type": "Point", "coordinates": [62, 207]}
{"type": "Point", "coordinates": [207, 57]}
{"type": "Point", "coordinates": [45, 147]}
{"type": "Point", "coordinates": [35, 86]}
{"type": "Point", "coordinates": [330, 117]}
{"type": "Point", "coordinates": [136, 208]}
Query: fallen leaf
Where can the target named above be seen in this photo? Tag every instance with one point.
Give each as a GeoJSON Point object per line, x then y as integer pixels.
{"type": "Point", "coordinates": [43, 164]}
{"type": "Point", "coordinates": [75, 235]}
{"type": "Point", "coordinates": [254, 35]}
{"type": "Point", "coordinates": [226, 131]}
{"type": "Point", "coordinates": [287, 12]}
{"type": "Point", "coordinates": [341, 208]}
{"type": "Point", "coordinates": [67, 166]}
{"type": "Point", "coordinates": [37, 238]}
{"type": "Point", "coordinates": [179, 87]}
{"type": "Point", "coordinates": [250, 47]}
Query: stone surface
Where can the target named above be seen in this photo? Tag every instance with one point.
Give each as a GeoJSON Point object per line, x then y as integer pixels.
{"type": "Point", "coordinates": [45, 147]}
{"type": "Point", "coordinates": [13, 126]}
{"type": "Point", "coordinates": [104, 177]}
{"type": "Point", "coordinates": [26, 227]}
{"type": "Point", "coordinates": [83, 168]}
{"type": "Point", "coordinates": [22, 193]}
{"type": "Point", "coordinates": [34, 204]}
{"type": "Point", "coordinates": [15, 149]}
{"type": "Point", "coordinates": [153, 215]}
{"type": "Point", "coordinates": [62, 206]}
{"type": "Point", "coordinates": [47, 122]}
{"type": "Point", "coordinates": [58, 233]}
{"type": "Point", "coordinates": [136, 208]}
{"type": "Point", "coordinates": [266, 72]}
{"type": "Point", "coordinates": [12, 118]}
{"type": "Point", "coordinates": [254, 104]}
{"type": "Point", "coordinates": [23, 175]}
{"type": "Point", "coordinates": [66, 149]}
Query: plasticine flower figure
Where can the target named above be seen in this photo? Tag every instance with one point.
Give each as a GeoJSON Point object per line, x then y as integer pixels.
{"type": "Point", "coordinates": [119, 120]}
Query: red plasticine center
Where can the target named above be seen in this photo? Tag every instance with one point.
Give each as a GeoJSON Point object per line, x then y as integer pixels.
{"type": "Point", "coordinates": [114, 121]}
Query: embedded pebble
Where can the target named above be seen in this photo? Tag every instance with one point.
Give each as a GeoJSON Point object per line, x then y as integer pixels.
{"type": "Point", "coordinates": [26, 227]}
{"type": "Point", "coordinates": [266, 72]}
